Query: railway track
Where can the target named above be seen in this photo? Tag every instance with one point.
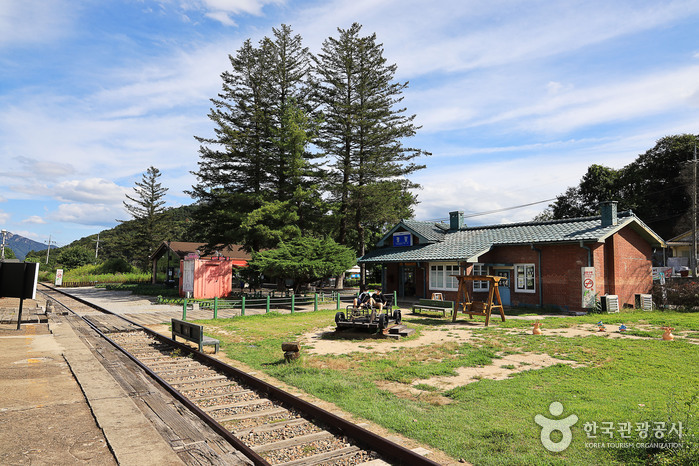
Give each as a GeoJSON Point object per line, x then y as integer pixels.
{"type": "Point", "coordinates": [263, 422]}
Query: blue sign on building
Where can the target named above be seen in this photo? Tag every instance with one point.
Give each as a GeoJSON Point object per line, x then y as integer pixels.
{"type": "Point", "coordinates": [404, 238]}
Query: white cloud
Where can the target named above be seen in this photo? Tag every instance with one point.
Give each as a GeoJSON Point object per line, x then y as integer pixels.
{"type": "Point", "coordinates": [87, 214]}
{"type": "Point", "coordinates": [223, 10]}
{"type": "Point", "coordinates": [222, 17]}
{"type": "Point", "coordinates": [4, 216]}
{"type": "Point", "coordinates": [34, 21]}
{"type": "Point", "coordinates": [32, 235]}
{"type": "Point", "coordinates": [624, 99]}
{"type": "Point", "coordinates": [489, 179]}
{"type": "Point", "coordinates": [97, 190]}
{"type": "Point", "coordinates": [34, 219]}
{"type": "Point", "coordinates": [455, 36]}
{"type": "Point", "coordinates": [27, 167]}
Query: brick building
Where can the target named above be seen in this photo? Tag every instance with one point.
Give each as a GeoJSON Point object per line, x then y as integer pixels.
{"type": "Point", "coordinates": [555, 263]}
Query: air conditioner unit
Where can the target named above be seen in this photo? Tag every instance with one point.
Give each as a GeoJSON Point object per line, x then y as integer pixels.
{"type": "Point", "coordinates": [643, 301]}
{"type": "Point", "coordinates": [610, 303]}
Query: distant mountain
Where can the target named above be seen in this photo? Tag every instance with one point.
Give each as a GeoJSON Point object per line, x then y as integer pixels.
{"type": "Point", "coordinates": [21, 245]}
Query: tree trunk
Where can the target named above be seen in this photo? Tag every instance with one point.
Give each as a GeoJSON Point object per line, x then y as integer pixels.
{"type": "Point", "coordinates": [340, 281]}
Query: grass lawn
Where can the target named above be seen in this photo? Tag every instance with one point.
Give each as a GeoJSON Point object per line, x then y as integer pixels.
{"type": "Point", "coordinates": [620, 384]}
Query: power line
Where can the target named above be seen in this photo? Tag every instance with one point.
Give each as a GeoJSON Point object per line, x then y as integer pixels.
{"type": "Point", "coordinates": [508, 208]}
{"type": "Point", "coordinates": [504, 209]}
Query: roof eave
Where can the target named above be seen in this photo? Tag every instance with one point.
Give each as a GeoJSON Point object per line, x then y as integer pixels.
{"type": "Point", "coordinates": [648, 234]}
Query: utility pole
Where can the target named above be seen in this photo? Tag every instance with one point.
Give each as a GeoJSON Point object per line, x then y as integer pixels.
{"type": "Point", "coordinates": [693, 261]}
{"type": "Point", "coordinates": [49, 249]}
{"type": "Point", "coordinates": [97, 245]}
{"type": "Point", "coordinates": [4, 232]}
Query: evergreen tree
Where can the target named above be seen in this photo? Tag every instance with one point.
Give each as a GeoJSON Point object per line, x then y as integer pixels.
{"type": "Point", "coordinates": [258, 155]}
{"type": "Point", "coordinates": [656, 186]}
{"type": "Point", "coordinates": [653, 185]}
{"type": "Point", "coordinates": [304, 260]}
{"type": "Point", "coordinates": [147, 209]}
{"type": "Point", "coordinates": [362, 132]}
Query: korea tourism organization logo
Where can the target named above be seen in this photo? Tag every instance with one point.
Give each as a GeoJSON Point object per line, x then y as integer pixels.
{"type": "Point", "coordinates": [549, 426]}
{"type": "Point", "coordinates": [607, 434]}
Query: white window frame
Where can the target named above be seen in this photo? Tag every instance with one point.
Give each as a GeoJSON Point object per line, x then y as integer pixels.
{"type": "Point", "coordinates": [480, 286]}
{"type": "Point", "coordinates": [528, 274]}
{"type": "Point", "coordinates": [440, 278]}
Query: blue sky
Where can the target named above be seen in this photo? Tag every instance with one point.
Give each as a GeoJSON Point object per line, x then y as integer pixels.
{"type": "Point", "coordinates": [516, 98]}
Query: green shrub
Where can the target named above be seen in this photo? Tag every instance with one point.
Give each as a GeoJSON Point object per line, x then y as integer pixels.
{"type": "Point", "coordinates": [116, 265]}
{"type": "Point", "coordinates": [683, 294]}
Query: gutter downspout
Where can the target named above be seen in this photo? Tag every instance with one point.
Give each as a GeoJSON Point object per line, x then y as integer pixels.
{"type": "Point", "coordinates": [541, 285]}
{"type": "Point", "coordinates": [589, 253]}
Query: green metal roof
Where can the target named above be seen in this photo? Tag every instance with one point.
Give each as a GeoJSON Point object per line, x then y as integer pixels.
{"type": "Point", "coordinates": [428, 232]}
{"type": "Point", "coordinates": [467, 244]}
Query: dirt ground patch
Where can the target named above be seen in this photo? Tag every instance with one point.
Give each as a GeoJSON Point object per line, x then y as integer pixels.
{"type": "Point", "coordinates": [326, 342]}
{"type": "Point", "coordinates": [500, 369]}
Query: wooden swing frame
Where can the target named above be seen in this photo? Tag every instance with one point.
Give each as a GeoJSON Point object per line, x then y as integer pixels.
{"type": "Point", "coordinates": [478, 308]}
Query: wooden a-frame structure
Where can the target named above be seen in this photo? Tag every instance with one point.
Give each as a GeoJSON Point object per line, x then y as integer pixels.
{"type": "Point", "coordinates": [478, 308]}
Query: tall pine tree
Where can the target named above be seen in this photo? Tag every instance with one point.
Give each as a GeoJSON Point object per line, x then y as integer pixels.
{"type": "Point", "coordinates": [257, 161]}
{"type": "Point", "coordinates": [146, 207]}
{"type": "Point", "coordinates": [363, 132]}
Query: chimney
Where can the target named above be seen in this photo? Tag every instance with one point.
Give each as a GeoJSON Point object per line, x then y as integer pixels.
{"type": "Point", "coordinates": [608, 212]}
{"type": "Point", "coordinates": [456, 220]}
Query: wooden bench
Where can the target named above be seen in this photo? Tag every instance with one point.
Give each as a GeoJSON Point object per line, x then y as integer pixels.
{"type": "Point", "coordinates": [192, 332]}
{"type": "Point", "coordinates": [434, 305]}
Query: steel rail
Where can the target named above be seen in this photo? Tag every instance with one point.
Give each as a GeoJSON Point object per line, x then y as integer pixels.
{"type": "Point", "coordinates": [218, 428]}
{"type": "Point", "coordinates": [364, 437]}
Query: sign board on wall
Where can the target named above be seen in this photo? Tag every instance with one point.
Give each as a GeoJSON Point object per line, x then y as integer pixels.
{"type": "Point", "coordinates": [589, 287]}
{"type": "Point", "coordinates": [59, 277]}
{"type": "Point", "coordinates": [401, 239]}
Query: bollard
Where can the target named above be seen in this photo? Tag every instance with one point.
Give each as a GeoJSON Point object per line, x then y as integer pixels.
{"type": "Point", "coordinates": [184, 310]}
{"type": "Point", "coordinates": [292, 350]}
{"type": "Point", "coordinates": [338, 302]}
{"type": "Point", "coordinates": [293, 301]}
{"type": "Point", "coordinates": [315, 302]}
{"type": "Point", "coordinates": [242, 306]}
{"type": "Point", "coordinates": [268, 302]}
{"type": "Point", "coordinates": [215, 307]}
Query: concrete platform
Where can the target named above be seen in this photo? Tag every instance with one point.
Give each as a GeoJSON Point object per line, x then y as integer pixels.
{"type": "Point", "coordinates": [45, 418]}
{"type": "Point", "coordinates": [58, 405]}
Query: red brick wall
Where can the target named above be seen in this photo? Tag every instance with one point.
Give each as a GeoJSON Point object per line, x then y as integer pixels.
{"type": "Point", "coordinates": [630, 267]}
{"type": "Point", "coordinates": [622, 267]}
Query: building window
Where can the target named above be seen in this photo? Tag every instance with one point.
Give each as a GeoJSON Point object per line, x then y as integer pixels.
{"type": "Point", "coordinates": [480, 269]}
{"type": "Point", "coordinates": [441, 277]}
{"type": "Point", "coordinates": [524, 278]}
